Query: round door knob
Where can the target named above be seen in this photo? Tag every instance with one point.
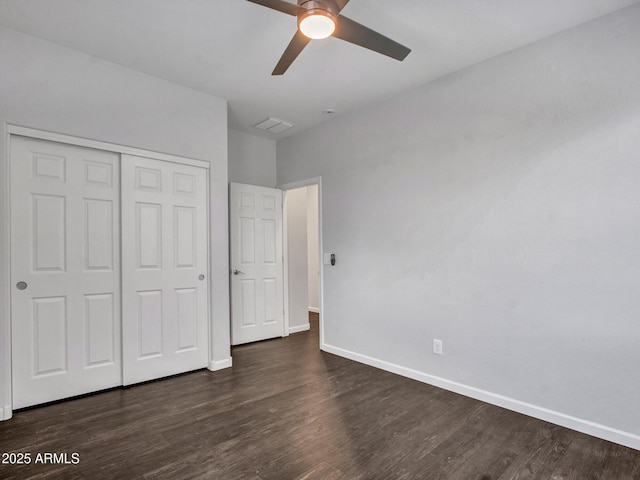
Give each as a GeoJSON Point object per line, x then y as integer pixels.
{"type": "Point", "coordinates": [201, 277]}
{"type": "Point", "coordinates": [21, 285]}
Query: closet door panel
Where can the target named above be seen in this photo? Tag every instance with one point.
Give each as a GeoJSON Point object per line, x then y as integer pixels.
{"type": "Point", "coordinates": [165, 268]}
{"type": "Point", "coordinates": [65, 271]}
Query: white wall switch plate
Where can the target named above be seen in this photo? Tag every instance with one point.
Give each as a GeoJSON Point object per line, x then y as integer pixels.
{"type": "Point", "coordinates": [326, 259]}
{"type": "Point", "coordinates": [437, 346]}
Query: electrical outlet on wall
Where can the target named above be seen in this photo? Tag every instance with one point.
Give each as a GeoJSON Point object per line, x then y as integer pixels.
{"type": "Point", "coordinates": [437, 346]}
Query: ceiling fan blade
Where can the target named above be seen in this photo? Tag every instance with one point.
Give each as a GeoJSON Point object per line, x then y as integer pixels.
{"type": "Point", "coordinates": [298, 42]}
{"type": "Point", "coordinates": [341, 4]}
{"type": "Point", "coordinates": [280, 5]}
{"type": "Point", "coordinates": [353, 32]}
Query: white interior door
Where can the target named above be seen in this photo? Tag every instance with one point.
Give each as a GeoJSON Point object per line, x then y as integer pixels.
{"type": "Point", "coordinates": [65, 271]}
{"type": "Point", "coordinates": [164, 268]}
{"type": "Point", "coordinates": [256, 263]}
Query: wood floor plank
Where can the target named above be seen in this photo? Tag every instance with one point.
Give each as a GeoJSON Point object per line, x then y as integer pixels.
{"type": "Point", "coordinates": [585, 459]}
{"type": "Point", "coordinates": [540, 452]}
{"type": "Point", "coordinates": [621, 464]}
{"type": "Point", "coordinates": [287, 411]}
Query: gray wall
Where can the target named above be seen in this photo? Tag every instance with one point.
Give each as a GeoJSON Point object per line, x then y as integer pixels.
{"type": "Point", "coordinates": [47, 87]}
{"type": "Point", "coordinates": [496, 209]}
{"type": "Point", "coordinates": [252, 159]}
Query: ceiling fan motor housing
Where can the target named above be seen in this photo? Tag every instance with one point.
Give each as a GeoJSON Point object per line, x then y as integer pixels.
{"type": "Point", "coordinates": [326, 7]}
{"type": "Point", "coordinates": [330, 5]}
{"type": "Point", "coordinates": [317, 20]}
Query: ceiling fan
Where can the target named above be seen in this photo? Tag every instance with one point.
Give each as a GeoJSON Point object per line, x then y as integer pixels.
{"type": "Point", "coordinates": [321, 19]}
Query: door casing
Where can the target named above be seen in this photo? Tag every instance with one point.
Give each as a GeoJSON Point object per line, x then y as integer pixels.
{"type": "Point", "coordinates": [291, 186]}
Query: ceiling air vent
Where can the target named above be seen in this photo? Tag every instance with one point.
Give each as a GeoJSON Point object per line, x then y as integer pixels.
{"type": "Point", "coordinates": [274, 125]}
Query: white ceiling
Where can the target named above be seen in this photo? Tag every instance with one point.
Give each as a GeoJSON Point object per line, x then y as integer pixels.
{"type": "Point", "coordinates": [228, 48]}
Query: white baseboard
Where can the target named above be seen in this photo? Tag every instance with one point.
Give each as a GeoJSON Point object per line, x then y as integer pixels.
{"type": "Point", "coordinates": [6, 412]}
{"type": "Point", "coordinates": [314, 309]}
{"type": "Point", "coordinates": [585, 426]}
{"type": "Point", "coordinates": [216, 365]}
{"type": "Point", "coordinates": [300, 328]}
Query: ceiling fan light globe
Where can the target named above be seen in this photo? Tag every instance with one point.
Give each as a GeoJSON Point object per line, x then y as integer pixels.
{"type": "Point", "coordinates": [317, 25]}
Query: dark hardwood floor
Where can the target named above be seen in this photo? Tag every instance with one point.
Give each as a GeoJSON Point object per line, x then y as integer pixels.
{"type": "Point", "coordinates": [288, 411]}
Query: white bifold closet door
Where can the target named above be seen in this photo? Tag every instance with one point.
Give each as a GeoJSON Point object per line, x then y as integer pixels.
{"type": "Point", "coordinates": [109, 258]}
{"type": "Point", "coordinates": [164, 268]}
{"type": "Point", "coordinates": [65, 271]}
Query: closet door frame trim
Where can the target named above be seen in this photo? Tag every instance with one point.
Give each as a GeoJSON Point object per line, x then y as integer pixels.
{"type": "Point", "coordinates": [15, 130]}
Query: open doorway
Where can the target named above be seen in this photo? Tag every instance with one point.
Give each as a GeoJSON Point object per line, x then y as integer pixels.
{"type": "Point", "coordinates": [302, 252]}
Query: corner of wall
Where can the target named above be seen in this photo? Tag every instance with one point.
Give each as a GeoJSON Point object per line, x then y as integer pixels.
{"type": "Point", "coordinates": [5, 413]}
{"type": "Point", "coordinates": [216, 365]}
{"type": "Point", "coordinates": [299, 328]}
